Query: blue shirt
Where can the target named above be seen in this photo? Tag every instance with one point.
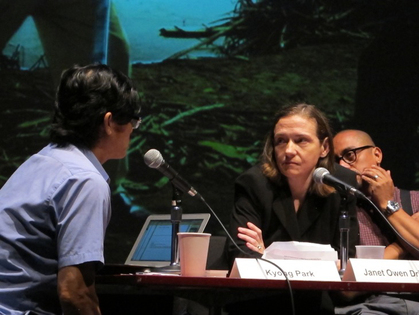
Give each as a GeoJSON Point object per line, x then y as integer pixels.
{"type": "Point", "coordinates": [54, 211]}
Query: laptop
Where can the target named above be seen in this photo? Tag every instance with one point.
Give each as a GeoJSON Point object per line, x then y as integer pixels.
{"type": "Point", "coordinates": [153, 245]}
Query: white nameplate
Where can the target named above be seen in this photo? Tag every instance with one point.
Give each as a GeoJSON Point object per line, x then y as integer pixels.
{"type": "Point", "coordinates": [311, 270]}
{"type": "Point", "coordinates": [382, 270]}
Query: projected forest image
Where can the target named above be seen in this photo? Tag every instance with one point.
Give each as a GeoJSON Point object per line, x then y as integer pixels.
{"type": "Point", "coordinates": [210, 103]}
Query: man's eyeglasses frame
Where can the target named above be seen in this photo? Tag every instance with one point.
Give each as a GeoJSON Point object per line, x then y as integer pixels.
{"type": "Point", "coordinates": [136, 122]}
{"type": "Point", "coordinates": [354, 151]}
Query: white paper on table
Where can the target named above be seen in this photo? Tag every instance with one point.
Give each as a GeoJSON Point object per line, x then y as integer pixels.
{"type": "Point", "coordinates": [300, 250]}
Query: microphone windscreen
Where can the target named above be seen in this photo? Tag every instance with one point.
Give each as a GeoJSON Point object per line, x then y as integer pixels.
{"type": "Point", "coordinates": [319, 174]}
{"type": "Point", "coordinates": [153, 158]}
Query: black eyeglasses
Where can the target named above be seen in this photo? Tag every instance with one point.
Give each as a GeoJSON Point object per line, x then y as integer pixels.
{"type": "Point", "coordinates": [136, 122]}
{"type": "Point", "coordinates": [349, 156]}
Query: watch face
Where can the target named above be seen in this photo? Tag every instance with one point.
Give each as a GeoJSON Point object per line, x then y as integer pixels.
{"type": "Point", "coordinates": [392, 206]}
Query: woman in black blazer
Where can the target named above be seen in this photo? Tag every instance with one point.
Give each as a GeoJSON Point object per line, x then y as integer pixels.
{"type": "Point", "coordinates": [278, 199]}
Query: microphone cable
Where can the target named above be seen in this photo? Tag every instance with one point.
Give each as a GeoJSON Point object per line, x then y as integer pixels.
{"type": "Point", "coordinates": [247, 254]}
{"type": "Point", "coordinates": [414, 250]}
{"type": "Point", "coordinates": [154, 159]}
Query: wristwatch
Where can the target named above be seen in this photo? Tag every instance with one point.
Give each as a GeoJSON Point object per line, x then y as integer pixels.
{"type": "Point", "coordinates": [392, 207]}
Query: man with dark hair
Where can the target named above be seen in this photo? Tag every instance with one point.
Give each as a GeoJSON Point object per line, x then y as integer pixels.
{"type": "Point", "coordinates": [55, 208]}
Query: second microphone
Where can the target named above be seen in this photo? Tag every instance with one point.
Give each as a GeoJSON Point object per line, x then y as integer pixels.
{"type": "Point", "coordinates": [154, 159]}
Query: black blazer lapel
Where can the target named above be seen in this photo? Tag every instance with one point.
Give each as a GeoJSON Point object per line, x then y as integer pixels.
{"type": "Point", "coordinates": [309, 212]}
{"type": "Point", "coordinates": [283, 207]}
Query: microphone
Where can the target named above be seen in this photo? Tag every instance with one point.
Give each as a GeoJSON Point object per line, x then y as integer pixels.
{"type": "Point", "coordinates": [323, 176]}
{"type": "Point", "coordinates": [154, 159]}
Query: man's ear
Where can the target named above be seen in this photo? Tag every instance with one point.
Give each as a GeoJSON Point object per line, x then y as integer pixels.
{"type": "Point", "coordinates": [325, 147]}
{"type": "Point", "coordinates": [107, 123]}
{"type": "Point", "coordinates": [378, 154]}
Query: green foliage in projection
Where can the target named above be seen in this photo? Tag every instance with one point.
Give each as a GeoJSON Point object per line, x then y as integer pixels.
{"type": "Point", "coordinates": [213, 113]}
{"type": "Point", "coordinates": [25, 101]}
{"type": "Point", "coordinates": [208, 135]}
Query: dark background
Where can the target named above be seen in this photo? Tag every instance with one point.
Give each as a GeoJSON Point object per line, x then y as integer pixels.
{"type": "Point", "coordinates": [208, 116]}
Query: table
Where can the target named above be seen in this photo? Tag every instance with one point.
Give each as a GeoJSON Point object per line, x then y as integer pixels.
{"type": "Point", "coordinates": [215, 292]}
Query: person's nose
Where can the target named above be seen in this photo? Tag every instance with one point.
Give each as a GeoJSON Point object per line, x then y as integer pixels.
{"type": "Point", "coordinates": [290, 148]}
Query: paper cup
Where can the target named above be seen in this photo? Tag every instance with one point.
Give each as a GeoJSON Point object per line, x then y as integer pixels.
{"type": "Point", "coordinates": [193, 253]}
{"type": "Point", "coordinates": [370, 252]}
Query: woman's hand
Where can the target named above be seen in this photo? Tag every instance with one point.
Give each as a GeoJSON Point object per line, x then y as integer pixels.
{"type": "Point", "coordinates": [252, 235]}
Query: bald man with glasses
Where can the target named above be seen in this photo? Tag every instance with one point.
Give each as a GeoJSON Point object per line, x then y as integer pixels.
{"type": "Point", "coordinates": [355, 150]}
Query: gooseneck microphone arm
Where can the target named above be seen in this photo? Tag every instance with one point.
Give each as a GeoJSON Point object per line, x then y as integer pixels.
{"type": "Point", "coordinates": [322, 175]}
{"type": "Point", "coordinates": [154, 159]}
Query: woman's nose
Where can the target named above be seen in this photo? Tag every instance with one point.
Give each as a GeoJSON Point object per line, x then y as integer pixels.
{"type": "Point", "coordinates": [290, 148]}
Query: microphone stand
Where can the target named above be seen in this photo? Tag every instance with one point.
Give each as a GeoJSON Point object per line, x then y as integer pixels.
{"type": "Point", "coordinates": [176, 218]}
{"type": "Point", "coordinates": [344, 228]}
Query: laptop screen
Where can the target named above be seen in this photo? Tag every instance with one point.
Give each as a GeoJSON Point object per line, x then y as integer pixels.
{"type": "Point", "coordinates": [153, 245]}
